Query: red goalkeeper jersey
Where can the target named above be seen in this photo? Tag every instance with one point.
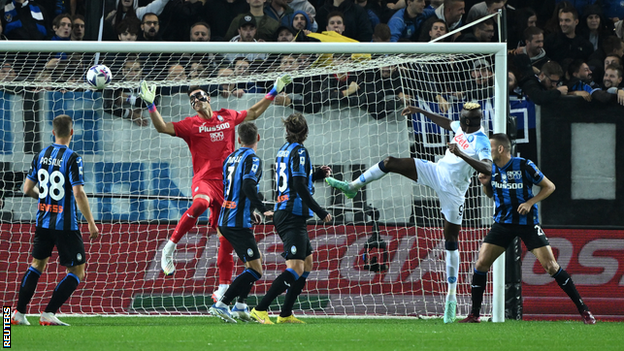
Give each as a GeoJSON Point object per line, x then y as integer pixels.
{"type": "Point", "coordinates": [210, 141]}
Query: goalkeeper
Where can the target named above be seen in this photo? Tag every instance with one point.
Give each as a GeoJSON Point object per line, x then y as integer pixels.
{"type": "Point", "coordinates": [210, 137]}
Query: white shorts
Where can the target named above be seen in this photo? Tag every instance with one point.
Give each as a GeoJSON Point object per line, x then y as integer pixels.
{"type": "Point", "coordinates": [451, 198]}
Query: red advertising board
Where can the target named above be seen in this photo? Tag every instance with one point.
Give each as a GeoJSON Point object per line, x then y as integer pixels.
{"type": "Point", "coordinates": [124, 267]}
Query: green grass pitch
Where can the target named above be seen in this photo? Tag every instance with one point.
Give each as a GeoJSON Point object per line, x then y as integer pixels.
{"type": "Point", "coordinates": [209, 333]}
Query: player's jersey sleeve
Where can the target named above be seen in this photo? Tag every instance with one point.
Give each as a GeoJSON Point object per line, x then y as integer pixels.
{"type": "Point", "coordinates": [532, 172]}
{"type": "Point", "coordinates": [455, 126]}
{"type": "Point", "coordinates": [75, 171]}
{"type": "Point", "coordinates": [298, 163]}
{"type": "Point", "coordinates": [32, 172]}
{"type": "Point", "coordinates": [183, 128]}
{"type": "Point", "coordinates": [483, 147]}
{"type": "Point", "coordinates": [252, 168]}
{"type": "Point", "coordinates": [239, 116]}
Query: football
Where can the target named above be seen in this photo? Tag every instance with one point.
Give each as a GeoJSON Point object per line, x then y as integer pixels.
{"type": "Point", "coordinates": [99, 76]}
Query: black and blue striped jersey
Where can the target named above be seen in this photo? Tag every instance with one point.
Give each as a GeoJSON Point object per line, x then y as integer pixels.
{"type": "Point", "coordinates": [293, 161]}
{"type": "Point", "coordinates": [56, 170]}
{"type": "Point", "coordinates": [237, 208]}
{"type": "Point", "coordinates": [512, 185]}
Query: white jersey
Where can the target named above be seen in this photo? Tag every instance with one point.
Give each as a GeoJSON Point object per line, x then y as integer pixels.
{"type": "Point", "coordinates": [476, 145]}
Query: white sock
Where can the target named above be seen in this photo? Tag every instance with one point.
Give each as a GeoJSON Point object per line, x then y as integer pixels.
{"type": "Point", "coordinates": [170, 246]}
{"type": "Point", "coordinates": [452, 268]}
{"type": "Point", "coordinates": [371, 174]}
{"type": "Point", "coordinates": [220, 304]}
{"type": "Point", "coordinates": [223, 287]}
{"type": "Point", "coordinates": [240, 305]}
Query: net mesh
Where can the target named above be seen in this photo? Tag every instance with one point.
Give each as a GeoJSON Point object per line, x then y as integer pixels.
{"type": "Point", "coordinates": [382, 255]}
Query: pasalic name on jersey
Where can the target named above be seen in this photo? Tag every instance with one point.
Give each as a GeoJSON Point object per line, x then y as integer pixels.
{"type": "Point", "coordinates": [207, 129]}
{"type": "Point", "coordinates": [50, 161]}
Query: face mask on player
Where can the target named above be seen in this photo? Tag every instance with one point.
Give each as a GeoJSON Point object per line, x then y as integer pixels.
{"type": "Point", "coordinates": [198, 96]}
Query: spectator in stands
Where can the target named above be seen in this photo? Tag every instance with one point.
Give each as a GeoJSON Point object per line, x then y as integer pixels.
{"type": "Point", "coordinates": [265, 25]}
{"type": "Point", "coordinates": [611, 45]}
{"type": "Point", "coordinates": [277, 9]}
{"type": "Point", "coordinates": [451, 11]}
{"type": "Point", "coordinates": [78, 27]}
{"type": "Point", "coordinates": [485, 8]}
{"type": "Point", "coordinates": [300, 24]}
{"type": "Point", "coordinates": [176, 72]}
{"type": "Point", "coordinates": [566, 43]}
{"type": "Point", "coordinates": [62, 27]}
{"type": "Point", "coordinates": [356, 22]}
{"type": "Point", "coordinates": [294, 94]}
{"type": "Point", "coordinates": [177, 17]}
{"type": "Point", "coordinates": [433, 28]}
{"type": "Point", "coordinates": [246, 33]}
{"type": "Point", "coordinates": [579, 79]}
{"type": "Point", "coordinates": [7, 74]}
{"type": "Point", "coordinates": [285, 34]}
{"type": "Point", "coordinates": [534, 48]}
{"type": "Point", "coordinates": [552, 24]}
{"type": "Point", "coordinates": [594, 26]}
{"type": "Point", "coordinates": [125, 102]}
{"type": "Point", "coordinates": [150, 28]}
{"type": "Point", "coordinates": [226, 90]}
{"type": "Point", "coordinates": [482, 32]}
{"type": "Point", "coordinates": [128, 29]}
{"type": "Point", "coordinates": [221, 13]}
{"type": "Point", "coordinates": [336, 23]}
{"type": "Point", "coordinates": [381, 34]}
{"type": "Point", "coordinates": [200, 31]}
{"type": "Point", "coordinates": [612, 77]}
{"type": "Point", "coordinates": [130, 8]}
{"type": "Point", "coordinates": [406, 22]}
{"type": "Point", "coordinates": [612, 60]}
{"type": "Point", "coordinates": [545, 87]}
{"type": "Point", "coordinates": [610, 90]}
{"type": "Point", "coordinates": [24, 20]}
{"type": "Point", "coordinates": [372, 16]}
{"type": "Point", "coordinates": [241, 69]}
{"type": "Point", "coordinates": [523, 19]}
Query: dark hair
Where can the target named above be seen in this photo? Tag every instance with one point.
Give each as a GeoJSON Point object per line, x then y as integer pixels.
{"type": "Point", "coordinates": [616, 68]}
{"type": "Point", "coordinates": [502, 139]}
{"type": "Point", "coordinates": [131, 25]}
{"type": "Point", "coordinates": [78, 16]}
{"type": "Point", "coordinates": [550, 68]}
{"type": "Point", "coordinates": [149, 14]}
{"type": "Point", "coordinates": [201, 23]}
{"type": "Point", "coordinates": [334, 14]}
{"type": "Point", "coordinates": [530, 32]}
{"type": "Point", "coordinates": [192, 88]}
{"type": "Point", "coordinates": [610, 44]}
{"type": "Point", "coordinates": [248, 133]}
{"type": "Point", "coordinates": [296, 128]}
{"type": "Point", "coordinates": [426, 28]}
{"type": "Point", "coordinates": [382, 32]}
{"type": "Point", "coordinates": [56, 22]}
{"type": "Point", "coordinates": [119, 16]}
{"type": "Point", "coordinates": [62, 125]}
{"type": "Point", "coordinates": [484, 24]}
{"type": "Point", "coordinates": [575, 66]}
{"type": "Point", "coordinates": [571, 10]}
{"type": "Point", "coordinates": [614, 55]}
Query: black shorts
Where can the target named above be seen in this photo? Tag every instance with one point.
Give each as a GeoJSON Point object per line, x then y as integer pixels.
{"type": "Point", "coordinates": [69, 245]}
{"type": "Point", "coordinates": [243, 242]}
{"type": "Point", "coordinates": [293, 230]}
{"type": "Point", "coordinates": [503, 234]}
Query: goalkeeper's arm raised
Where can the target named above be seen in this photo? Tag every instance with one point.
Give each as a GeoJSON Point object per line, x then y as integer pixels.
{"type": "Point", "coordinates": [148, 94]}
{"type": "Point", "coordinates": [256, 110]}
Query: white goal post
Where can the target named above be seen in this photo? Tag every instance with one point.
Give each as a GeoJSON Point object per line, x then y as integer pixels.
{"type": "Point", "coordinates": [346, 136]}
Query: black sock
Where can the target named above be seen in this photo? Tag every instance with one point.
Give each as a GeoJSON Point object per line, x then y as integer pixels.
{"type": "Point", "coordinates": [63, 291]}
{"type": "Point", "coordinates": [292, 294]}
{"type": "Point", "coordinates": [566, 284]}
{"type": "Point", "coordinates": [280, 284]}
{"type": "Point", "coordinates": [241, 285]}
{"type": "Point", "coordinates": [27, 288]}
{"type": "Point", "coordinates": [479, 279]}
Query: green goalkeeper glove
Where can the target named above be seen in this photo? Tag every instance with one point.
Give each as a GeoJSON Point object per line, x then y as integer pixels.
{"type": "Point", "coordinates": [279, 85]}
{"type": "Point", "coordinates": [148, 92]}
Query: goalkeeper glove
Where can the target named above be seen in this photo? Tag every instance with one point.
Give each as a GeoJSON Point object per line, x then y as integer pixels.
{"type": "Point", "coordinates": [148, 92]}
{"type": "Point", "coordinates": [279, 85]}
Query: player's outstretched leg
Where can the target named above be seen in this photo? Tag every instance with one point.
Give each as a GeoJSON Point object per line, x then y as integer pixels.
{"type": "Point", "coordinates": [225, 266]}
{"type": "Point", "coordinates": [376, 172]}
{"type": "Point", "coordinates": [188, 220]}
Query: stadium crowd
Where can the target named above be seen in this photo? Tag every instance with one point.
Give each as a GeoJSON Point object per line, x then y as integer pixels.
{"type": "Point", "coordinates": [556, 47]}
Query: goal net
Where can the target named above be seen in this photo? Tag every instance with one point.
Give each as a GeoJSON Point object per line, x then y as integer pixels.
{"type": "Point", "coordinates": [383, 255]}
